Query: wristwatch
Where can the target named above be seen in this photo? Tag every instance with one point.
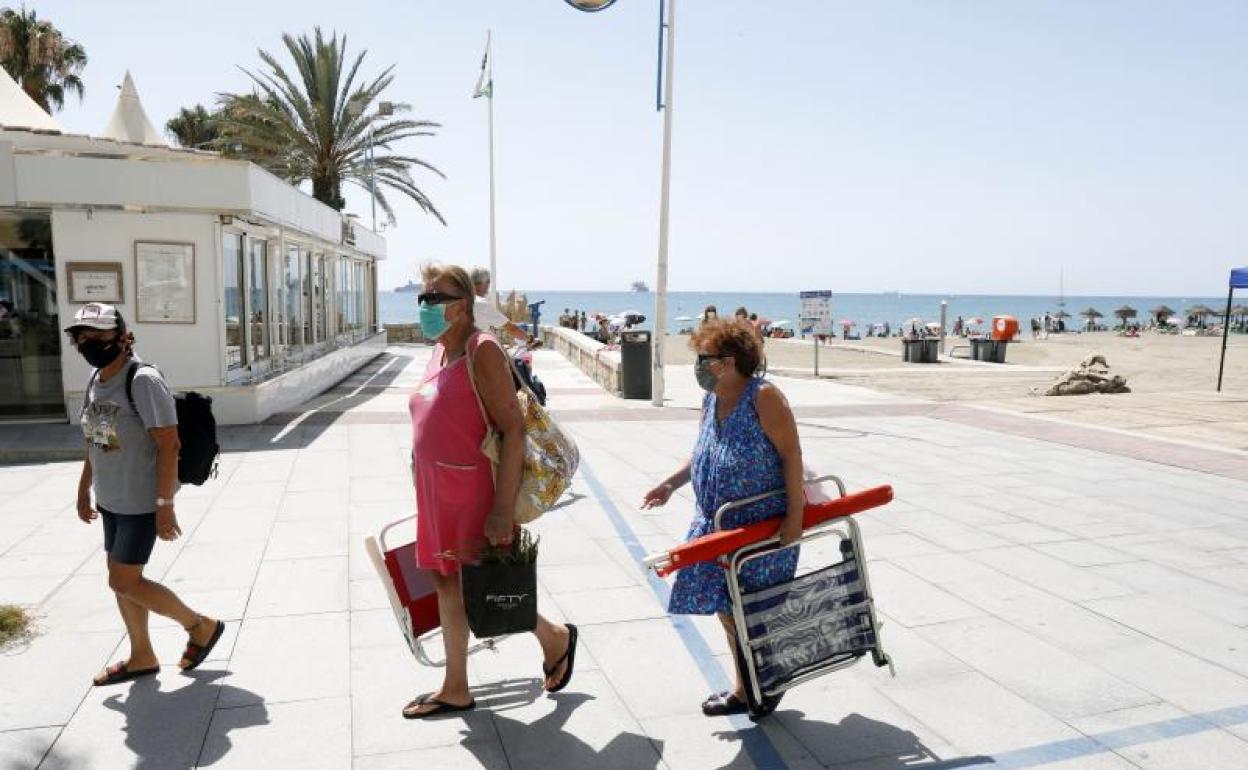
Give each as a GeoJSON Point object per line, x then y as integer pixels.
{"type": "Point", "coordinates": [164, 502]}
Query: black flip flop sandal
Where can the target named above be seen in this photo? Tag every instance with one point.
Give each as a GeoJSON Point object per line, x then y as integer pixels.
{"type": "Point", "coordinates": [118, 673]}
{"type": "Point", "coordinates": [197, 654]}
{"type": "Point", "coordinates": [722, 704]}
{"type": "Point", "coordinates": [570, 656]}
{"type": "Point", "coordinates": [440, 707]}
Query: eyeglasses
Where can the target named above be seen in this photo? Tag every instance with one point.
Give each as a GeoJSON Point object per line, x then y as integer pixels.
{"type": "Point", "coordinates": [705, 357]}
{"type": "Point", "coordinates": [435, 298]}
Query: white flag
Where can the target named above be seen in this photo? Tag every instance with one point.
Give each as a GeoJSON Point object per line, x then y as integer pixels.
{"type": "Point", "coordinates": [485, 81]}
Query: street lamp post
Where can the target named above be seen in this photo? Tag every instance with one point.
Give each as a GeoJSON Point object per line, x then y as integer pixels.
{"type": "Point", "coordinates": [667, 23]}
{"type": "Point", "coordinates": [384, 110]}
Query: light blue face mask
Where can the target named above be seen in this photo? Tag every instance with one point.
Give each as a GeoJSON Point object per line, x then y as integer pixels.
{"type": "Point", "coordinates": [433, 320]}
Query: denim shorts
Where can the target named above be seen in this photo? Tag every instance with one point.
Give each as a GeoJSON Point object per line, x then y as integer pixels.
{"type": "Point", "coordinates": [128, 538]}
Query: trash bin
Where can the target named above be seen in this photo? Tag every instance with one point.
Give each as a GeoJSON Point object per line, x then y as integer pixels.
{"type": "Point", "coordinates": [921, 351]}
{"type": "Point", "coordinates": [931, 350]}
{"type": "Point", "coordinates": [635, 364]}
{"type": "Point", "coordinates": [988, 350]}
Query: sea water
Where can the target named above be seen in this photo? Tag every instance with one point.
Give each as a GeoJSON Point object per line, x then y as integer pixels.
{"type": "Point", "coordinates": [862, 309]}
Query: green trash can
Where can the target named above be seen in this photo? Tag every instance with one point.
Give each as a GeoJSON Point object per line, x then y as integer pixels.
{"type": "Point", "coordinates": [635, 364]}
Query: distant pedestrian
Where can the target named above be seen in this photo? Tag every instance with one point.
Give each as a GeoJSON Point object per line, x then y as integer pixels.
{"type": "Point", "coordinates": [459, 504]}
{"type": "Point", "coordinates": [959, 328]}
{"type": "Point", "coordinates": [584, 322]}
{"type": "Point", "coordinates": [747, 445]}
{"type": "Point", "coordinates": [130, 424]}
{"type": "Point", "coordinates": [710, 314]}
{"type": "Point", "coordinates": [489, 316]}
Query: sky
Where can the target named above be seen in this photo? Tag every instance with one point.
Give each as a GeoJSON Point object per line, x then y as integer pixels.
{"type": "Point", "coordinates": [923, 146]}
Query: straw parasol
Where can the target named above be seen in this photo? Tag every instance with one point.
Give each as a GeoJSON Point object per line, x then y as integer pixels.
{"type": "Point", "coordinates": [1200, 311]}
{"type": "Point", "coordinates": [1161, 312]}
{"type": "Point", "coordinates": [1092, 313]}
{"type": "Point", "coordinates": [1061, 314]}
{"type": "Point", "coordinates": [1125, 312]}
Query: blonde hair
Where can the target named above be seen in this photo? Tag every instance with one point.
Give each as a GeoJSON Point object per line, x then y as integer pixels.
{"type": "Point", "coordinates": [453, 274]}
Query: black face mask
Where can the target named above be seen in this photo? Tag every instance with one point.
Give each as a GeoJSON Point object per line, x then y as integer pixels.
{"type": "Point", "coordinates": [99, 353]}
{"type": "Point", "coordinates": [706, 378]}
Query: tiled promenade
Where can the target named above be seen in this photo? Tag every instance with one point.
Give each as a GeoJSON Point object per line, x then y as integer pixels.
{"type": "Point", "coordinates": [1053, 598]}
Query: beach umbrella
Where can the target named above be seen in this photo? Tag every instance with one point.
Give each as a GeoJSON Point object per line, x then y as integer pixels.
{"type": "Point", "coordinates": [974, 321]}
{"type": "Point", "coordinates": [1092, 313]}
{"type": "Point", "coordinates": [1161, 311]}
{"type": "Point", "coordinates": [1201, 310]}
{"type": "Point", "coordinates": [1239, 310]}
{"type": "Point", "coordinates": [1125, 312]}
{"type": "Point", "coordinates": [1061, 314]}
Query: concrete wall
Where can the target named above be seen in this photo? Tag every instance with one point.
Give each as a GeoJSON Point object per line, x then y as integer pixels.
{"type": "Point", "coordinates": [190, 355]}
{"type": "Point", "coordinates": [237, 405]}
{"type": "Point", "coordinates": [588, 355]}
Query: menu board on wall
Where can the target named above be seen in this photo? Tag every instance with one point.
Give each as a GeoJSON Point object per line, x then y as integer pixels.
{"type": "Point", "coordinates": [94, 282]}
{"type": "Point", "coordinates": [164, 282]}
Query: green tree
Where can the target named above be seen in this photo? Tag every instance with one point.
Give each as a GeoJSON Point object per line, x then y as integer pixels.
{"type": "Point", "coordinates": [194, 127]}
{"type": "Point", "coordinates": [316, 125]}
{"type": "Point", "coordinates": [44, 62]}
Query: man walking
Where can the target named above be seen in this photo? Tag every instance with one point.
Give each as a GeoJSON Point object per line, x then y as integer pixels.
{"type": "Point", "coordinates": [487, 315]}
{"type": "Point", "coordinates": [130, 423]}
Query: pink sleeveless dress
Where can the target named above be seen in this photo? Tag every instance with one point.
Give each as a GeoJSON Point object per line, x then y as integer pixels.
{"type": "Point", "coordinates": [454, 481]}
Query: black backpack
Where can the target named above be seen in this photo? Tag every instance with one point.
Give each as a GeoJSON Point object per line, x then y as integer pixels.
{"type": "Point", "coordinates": [197, 432]}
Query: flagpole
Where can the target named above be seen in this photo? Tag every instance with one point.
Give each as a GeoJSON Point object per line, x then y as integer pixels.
{"type": "Point", "coordinates": [489, 54]}
{"type": "Point", "coordinates": [660, 300]}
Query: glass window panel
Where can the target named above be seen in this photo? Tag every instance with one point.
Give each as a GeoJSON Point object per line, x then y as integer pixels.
{"type": "Point", "coordinates": [232, 251]}
{"type": "Point", "coordinates": [293, 296]}
{"type": "Point", "coordinates": [30, 330]}
{"type": "Point", "coordinates": [258, 294]}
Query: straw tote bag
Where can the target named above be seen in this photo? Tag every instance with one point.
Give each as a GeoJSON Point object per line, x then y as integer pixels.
{"type": "Point", "coordinates": [550, 452]}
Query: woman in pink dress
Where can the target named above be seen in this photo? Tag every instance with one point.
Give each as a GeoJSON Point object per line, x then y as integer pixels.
{"type": "Point", "coordinates": [457, 508]}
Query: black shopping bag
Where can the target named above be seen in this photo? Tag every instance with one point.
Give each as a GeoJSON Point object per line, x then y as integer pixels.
{"type": "Point", "coordinates": [500, 598]}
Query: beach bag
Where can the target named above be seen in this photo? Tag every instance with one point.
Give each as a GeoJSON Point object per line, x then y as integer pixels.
{"type": "Point", "coordinates": [500, 598]}
{"type": "Point", "coordinates": [197, 432]}
{"type": "Point", "coordinates": [550, 453]}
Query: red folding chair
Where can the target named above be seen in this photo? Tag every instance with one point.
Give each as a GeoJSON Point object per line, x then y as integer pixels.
{"type": "Point", "coordinates": [411, 592]}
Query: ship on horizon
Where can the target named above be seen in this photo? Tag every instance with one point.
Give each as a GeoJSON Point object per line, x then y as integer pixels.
{"type": "Point", "coordinates": [411, 287]}
{"type": "Point", "coordinates": [640, 287]}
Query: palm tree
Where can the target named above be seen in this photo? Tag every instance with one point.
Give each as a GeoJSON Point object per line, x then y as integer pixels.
{"type": "Point", "coordinates": [194, 127]}
{"type": "Point", "coordinates": [317, 125]}
{"type": "Point", "coordinates": [42, 61]}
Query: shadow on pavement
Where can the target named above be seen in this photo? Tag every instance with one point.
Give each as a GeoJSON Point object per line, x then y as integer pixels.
{"type": "Point", "coordinates": [296, 430]}
{"type": "Point", "coordinates": [181, 728]}
{"type": "Point", "coordinates": [855, 739]}
{"type": "Point", "coordinates": [546, 742]}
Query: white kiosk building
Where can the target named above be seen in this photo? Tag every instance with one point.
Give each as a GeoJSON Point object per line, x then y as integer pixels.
{"type": "Point", "coordinates": [235, 283]}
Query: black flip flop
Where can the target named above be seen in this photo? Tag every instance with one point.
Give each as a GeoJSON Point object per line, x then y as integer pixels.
{"type": "Point", "coordinates": [441, 707]}
{"type": "Point", "coordinates": [722, 704]}
{"type": "Point", "coordinates": [118, 673]}
{"type": "Point", "coordinates": [197, 654]}
{"type": "Point", "coordinates": [570, 656]}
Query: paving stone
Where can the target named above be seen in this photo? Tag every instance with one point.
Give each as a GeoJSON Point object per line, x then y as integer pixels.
{"type": "Point", "coordinates": [300, 586]}
{"type": "Point", "coordinates": [45, 679]}
{"type": "Point", "coordinates": [163, 720]}
{"type": "Point", "coordinates": [24, 749]}
{"type": "Point", "coordinates": [275, 658]}
{"type": "Point", "coordinates": [303, 734]}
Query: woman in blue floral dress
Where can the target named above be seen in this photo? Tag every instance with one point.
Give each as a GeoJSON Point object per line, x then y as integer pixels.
{"type": "Point", "coordinates": [747, 445]}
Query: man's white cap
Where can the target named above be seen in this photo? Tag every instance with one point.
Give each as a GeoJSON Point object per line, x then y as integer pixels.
{"type": "Point", "coordinates": [95, 315]}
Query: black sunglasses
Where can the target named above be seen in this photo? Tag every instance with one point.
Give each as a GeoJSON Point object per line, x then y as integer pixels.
{"type": "Point", "coordinates": [705, 357]}
{"type": "Point", "coordinates": [435, 298]}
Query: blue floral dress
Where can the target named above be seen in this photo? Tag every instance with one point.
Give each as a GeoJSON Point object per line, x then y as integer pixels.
{"type": "Point", "coordinates": [731, 461]}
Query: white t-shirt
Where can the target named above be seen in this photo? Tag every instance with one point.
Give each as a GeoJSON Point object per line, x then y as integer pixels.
{"type": "Point", "coordinates": [487, 315]}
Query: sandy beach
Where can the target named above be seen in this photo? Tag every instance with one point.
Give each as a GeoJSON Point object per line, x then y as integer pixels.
{"type": "Point", "coordinates": [1172, 379]}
